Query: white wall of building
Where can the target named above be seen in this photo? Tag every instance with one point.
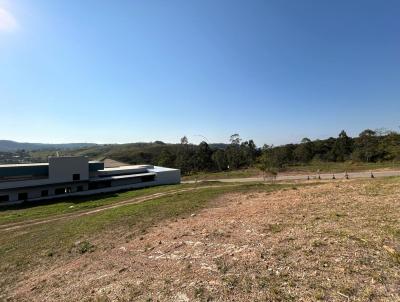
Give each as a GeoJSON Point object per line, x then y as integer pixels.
{"type": "Point", "coordinates": [166, 176]}
{"type": "Point", "coordinates": [61, 169]}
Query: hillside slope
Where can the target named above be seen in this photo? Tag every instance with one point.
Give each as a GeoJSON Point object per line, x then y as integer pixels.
{"type": "Point", "coordinates": [11, 146]}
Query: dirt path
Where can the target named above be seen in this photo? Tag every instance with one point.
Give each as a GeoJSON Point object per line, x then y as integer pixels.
{"type": "Point", "coordinates": [310, 176]}
{"type": "Point", "coordinates": [32, 222]}
{"type": "Point", "coordinates": [332, 242]}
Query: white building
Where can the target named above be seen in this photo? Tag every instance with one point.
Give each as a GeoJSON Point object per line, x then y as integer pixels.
{"type": "Point", "coordinates": [70, 176]}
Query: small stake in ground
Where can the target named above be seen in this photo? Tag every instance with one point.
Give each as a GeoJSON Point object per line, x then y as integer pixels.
{"type": "Point", "coordinates": [333, 176]}
{"type": "Point", "coordinates": [372, 175]}
{"type": "Point", "coordinates": [346, 175]}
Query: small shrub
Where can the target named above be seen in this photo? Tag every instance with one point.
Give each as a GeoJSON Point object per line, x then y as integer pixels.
{"type": "Point", "coordinates": [85, 247]}
{"type": "Point", "coordinates": [222, 265]}
{"type": "Point", "coordinates": [318, 243]}
{"type": "Point", "coordinates": [274, 228]}
{"type": "Point", "coordinates": [231, 282]}
{"type": "Point", "coordinates": [102, 298]}
{"type": "Point", "coordinates": [263, 282]}
{"type": "Point", "coordinates": [199, 292]}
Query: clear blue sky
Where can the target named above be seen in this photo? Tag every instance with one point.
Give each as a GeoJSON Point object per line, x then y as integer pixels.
{"type": "Point", "coordinates": [126, 71]}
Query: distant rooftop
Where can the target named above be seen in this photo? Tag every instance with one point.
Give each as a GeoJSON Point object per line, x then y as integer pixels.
{"type": "Point", "coordinates": [23, 165]}
{"type": "Point", "coordinates": [133, 167]}
{"type": "Point", "coordinates": [34, 164]}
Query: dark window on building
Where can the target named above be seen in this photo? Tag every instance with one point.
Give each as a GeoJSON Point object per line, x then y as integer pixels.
{"type": "Point", "coordinates": [22, 196]}
{"type": "Point", "coordinates": [4, 198]}
{"type": "Point", "coordinates": [45, 193]}
{"type": "Point", "coordinates": [76, 177]}
{"type": "Point", "coordinates": [147, 178]}
{"type": "Point", "coordinates": [79, 189]}
{"type": "Point", "coordinates": [59, 191]}
{"type": "Point", "coordinates": [68, 190]}
{"type": "Point", "coordinates": [99, 185]}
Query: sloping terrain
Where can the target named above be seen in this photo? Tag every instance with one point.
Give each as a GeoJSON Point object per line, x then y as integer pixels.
{"type": "Point", "coordinates": [332, 242]}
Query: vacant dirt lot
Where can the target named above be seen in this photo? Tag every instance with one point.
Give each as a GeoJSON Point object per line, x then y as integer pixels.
{"type": "Point", "coordinates": [332, 242]}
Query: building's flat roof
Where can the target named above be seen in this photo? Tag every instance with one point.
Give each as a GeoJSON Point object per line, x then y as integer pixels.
{"type": "Point", "coordinates": [122, 168]}
{"type": "Point", "coordinates": [121, 177]}
{"type": "Point", "coordinates": [35, 165]}
{"type": "Point", "coordinates": [24, 165]}
{"type": "Point", "coordinates": [161, 169]}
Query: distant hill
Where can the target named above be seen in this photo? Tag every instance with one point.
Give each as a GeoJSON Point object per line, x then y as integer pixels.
{"type": "Point", "coordinates": [131, 153]}
{"type": "Point", "coordinates": [11, 146]}
{"type": "Point", "coordinates": [218, 146]}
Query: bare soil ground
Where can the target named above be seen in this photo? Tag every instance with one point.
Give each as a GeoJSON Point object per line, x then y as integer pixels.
{"type": "Point", "coordinates": [111, 163]}
{"type": "Point", "coordinates": [332, 242]}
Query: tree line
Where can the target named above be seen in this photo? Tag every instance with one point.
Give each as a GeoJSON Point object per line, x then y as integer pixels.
{"type": "Point", "coordinates": [195, 158]}
{"type": "Point", "coordinates": [369, 146]}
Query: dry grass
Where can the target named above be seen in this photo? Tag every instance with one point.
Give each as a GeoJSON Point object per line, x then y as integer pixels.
{"type": "Point", "coordinates": [332, 242]}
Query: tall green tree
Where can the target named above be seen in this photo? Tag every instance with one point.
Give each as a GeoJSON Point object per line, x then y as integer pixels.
{"type": "Point", "coordinates": [219, 160]}
{"type": "Point", "coordinates": [367, 146]}
{"type": "Point", "coordinates": [166, 158]}
{"type": "Point", "coordinates": [235, 139]}
{"type": "Point", "coordinates": [304, 152]}
{"type": "Point", "coordinates": [268, 162]}
{"type": "Point", "coordinates": [203, 155]}
{"type": "Point", "coordinates": [342, 147]}
{"type": "Point", "coordinates": [184, 140]}
{"type": "Point", "coordinates": [248, 153]}
{"type": "Point", "coordinates": [233, 152]}
{"type": "Point", "coordinates": [390, 146]}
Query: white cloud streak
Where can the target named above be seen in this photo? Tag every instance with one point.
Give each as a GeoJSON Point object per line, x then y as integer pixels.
{"type": "Point", "coordinates": [8, 23]}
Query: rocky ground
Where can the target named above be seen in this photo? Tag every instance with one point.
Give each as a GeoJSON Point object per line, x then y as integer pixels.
{"type": "Point", "coordinates": [332, 242]}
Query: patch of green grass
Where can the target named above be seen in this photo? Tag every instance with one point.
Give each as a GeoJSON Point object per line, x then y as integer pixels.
{"type": "Point", "coordinates": [85, 247]}
{"type": "Point", "coordinates": [47, 208]}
